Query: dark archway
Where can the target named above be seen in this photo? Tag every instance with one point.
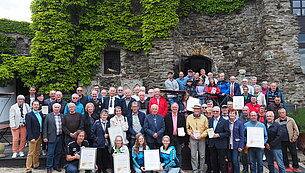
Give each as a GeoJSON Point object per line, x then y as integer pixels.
{"type": "Point", "coordinates": [196, 63]}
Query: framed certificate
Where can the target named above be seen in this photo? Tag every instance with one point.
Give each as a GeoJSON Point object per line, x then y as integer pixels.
{"type": "Point", "coordinates": [121, 163]}
{"type": "Point", "coordinates": [87, 159]}
{"type": "Point", "coordinates": [44, 110]}
{"type": "Point", "coordinates": [255, 137]}
{"type": "Point", "coordinates": [238, 102]}
{"type": "Point", "coordinates": [152, 160]}
{"type": "Point", "coordinates": [191, 102]}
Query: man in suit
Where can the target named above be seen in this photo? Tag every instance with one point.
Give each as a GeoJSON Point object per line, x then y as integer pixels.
{"type": "Point", "coordinates": [111, 102]}
{"type": "Point", "coordinates": [126, 102]}
{"type": "Point", "coordinates": [154, 128]}
{"type": "Point", "coordinates": [52, 134]}
{"type": "Point", "coordinates": [58, 99]}
{"type": "Point", "coordinates": [234, 87]}
{"type": "Point", "coordinates": [51, 99]}
{"type": "Point", "coordinates": [32, 97]}
{"type": "Point", "coordinates": [219, 142]}
{"type": "Point", "coordinates": [173, 121]}
{"type": "Point", "coordinates": [34, 122]}
{"type": "Point", "coordinates": [135, 123]}
{"type": "Point", "coordinates": [160, 101]}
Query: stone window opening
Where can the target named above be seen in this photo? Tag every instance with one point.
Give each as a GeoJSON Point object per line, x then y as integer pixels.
{"type": "Point", "coordinates": [112, 62]}
{"type": "Point", "coordinates": [195, 63]}
{"type": "Point", "coordinates": [298, 7]}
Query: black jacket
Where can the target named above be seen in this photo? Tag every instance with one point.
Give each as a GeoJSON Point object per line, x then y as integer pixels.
{"type": "Point", "coordinates": [62, 108]}
{"type": "Point", "coordinates": [274, 136]}
{"type": "Point", "coordinates": [88, 124]}
{"type": "Point", "coordinates": [127, 108]}
{"type": "Point", "coordinates": [181, 122]}
{"type": "Point", "coordinates": [223, 129]}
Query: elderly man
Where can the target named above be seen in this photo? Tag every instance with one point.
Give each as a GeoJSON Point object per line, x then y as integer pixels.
{"type": "Point", "coordinates": [254, 82]}
{"type": "Point", "coordinates": [290, 134]}
{"type": "Point", "coordinates": [273, 92]}
{"type": "Point", "coordinates": [181, 81]}
{"type": "Point", "coordinates": [135, 123]}
{"type": "Point", "coordinates": [99, 96]}
{"type": "Point", "coordinates": [52, 134]}
{"type": "Point", "coordinates": [82, 99]}
{"type": "Point", "coordinates": [52, 97]}
{"type": "Point", "coordinates": [98, 104]}
{"type": "Point", "coordinates": [143, 103]}
{"type": "Point", "coordinates": [136, 91]}
{"type": "Point", "coordinates": [126, 102]}
{"type": "Point", "coordinates": [234, 87]}
{"type": "Point", "coordinates": [104, 93]}
{"type": "Point", "coordinates": [31, 97]}
{"type": "Point", "coordinates": [171, 84]}
{"type": "Point", "coordinates": [71, 122]}
{"type": "Point", "coordinates": [120, 92]}
{"type": "Point", "coordinates": [173, 122]}
{"type": "Point", "coordinates": [154, 128]}
{"type": "Point", "coordinates": [261, 99]}
{"type": "Point", "coordinates": [111, 102]}
{"type": "Point", "coordinates": [150, 94]}
{"type": "Point", "coordinates": [34, 123]}
{"type": "Point", "coordinates": [218, 144]}
{"type": "Point", "coordinates": [273, 150]}
{"type": "Point", "coordinates": [190, 75]}
{"type": "Point", "coordinates": [160, 101]}
{"type": "Point", "coordinates": [211, 76]}
{"type": "Point", "coordinates": [203, 76]}
{"type": "Point", "coordinates": [79, 107]}
{"type": "Point", "coordinates": [276, 106]}
{"type": "Point", "coordinates": [255, 153]}
{"type": "Point", "coordinates": [58, 99]}
{"type": "Point", "coordinates": [245, 83]}
{"type": "Point", "coordinates": [196, 126]}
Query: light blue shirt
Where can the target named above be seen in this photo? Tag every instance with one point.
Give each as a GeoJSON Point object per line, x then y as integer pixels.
{"type": "Point", "coordinates": [215, 122]}
{"type": "Point", "coordinates": [181, 83]}
{"type": "Point", "coordinates": [39, 119]}
{"type": "Point", "coordinates": [256, 124]}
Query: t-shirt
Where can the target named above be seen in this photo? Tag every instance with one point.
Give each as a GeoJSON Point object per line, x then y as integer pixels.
{"type": "Point", "coordinates": [284, 131]}
{"type": "Point", "coordinates": [74, 148]}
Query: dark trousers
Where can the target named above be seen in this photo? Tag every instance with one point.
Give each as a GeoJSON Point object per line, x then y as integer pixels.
{"type": "Point", "coordinates": [54, 153]}
{"type": "Point", "coordinates": [244, 161]}
{"type": "Point", "coordinates": [208, 159]}
{"type": "Point", "coordinates": [103, 159]}
{"type": "Point", "coordinates": [178, 146]}
{"type": "Point", "coordinates": [218, 160]}
{"type": "Point", "coordinates": [293, 151]}
{"type": "Point", "coordinates": [155, 145]}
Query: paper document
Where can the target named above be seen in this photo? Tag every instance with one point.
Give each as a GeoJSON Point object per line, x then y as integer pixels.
{"type": "Point", "coordinates": [181, 131]}
{"type": "Point", "coordinates": [210, 132]}
{"type": "Point", "coordinates": [45, 109]}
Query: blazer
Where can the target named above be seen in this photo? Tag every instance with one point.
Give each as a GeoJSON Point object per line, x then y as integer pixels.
{"type": "Point", "coordinates": [238, 135]}
{"type": "Point", "coordinates": [28, 100]}
{"type": "Point", "coordinates": [181, 122]}
{"type": "Point", "coordinates": [98, 134]}
{"type": "Point", "coordinates": [150, 128]}
{"type": "Point", "coordinates": [127, 108]}
{"type": "Point", "coordinates": [15, 114]}
{"type": "Point", "coordinates": [32, 125]}
{"type": "Point", "coordinates": [274, 135]}
{"type": "Point", "coordinates": [163, 106]}
{"type": "Point", "coordinates": [141, 117]}
{"type": "Point", "coordinates": [223, 130]}
{"type": "Point", "coordinates": [237, 91]}
{"type": "Point", "coordinates": [49, 127]}
{"type": "Point", "coordinates": [88, 125]}
{"type": "Point", "coordinates": [117, 102]}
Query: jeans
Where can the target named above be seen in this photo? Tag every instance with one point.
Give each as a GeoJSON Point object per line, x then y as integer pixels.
{"type": "Point", "coordinates": [171, 170]}
{"type": "Point", "coordinates": [244, 161]}
{"type": "Point", "coordinates": [233, 156]}
{"type": "Point", "coordinates": [278, 156]}
{"type": "Point", "coordinates": [197, 146]}
{"type": "Point", "coordinates": [293, 151]}
{"type": "Point", "coordinates": [54, 153]}
{"type": "Point", "coordinates": [201, 101]}
{"type": "Point", "coordinates": [256, 159]}
{"type": "Point", "coordinates": [72, 167]}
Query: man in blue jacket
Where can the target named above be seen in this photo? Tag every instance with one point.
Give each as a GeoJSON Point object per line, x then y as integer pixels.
{"type": "Point", "coordinates": [79, 106]}
{"type": "Point", "coordinates": [135, 123]}
{"type": "Point", "coordinates": [34, 122]}
{"type": "Point", "coordinates": [256, 153]}
{"type": "Point", "coordinates": [154, 128]}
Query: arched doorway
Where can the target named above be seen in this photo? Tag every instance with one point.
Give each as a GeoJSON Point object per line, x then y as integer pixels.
{"type": "Point", "coordinates": [196, 63]}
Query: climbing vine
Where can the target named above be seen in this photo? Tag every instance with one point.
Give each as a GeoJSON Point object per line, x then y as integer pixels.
{"type": "Point", "coordinates": [70, 36]}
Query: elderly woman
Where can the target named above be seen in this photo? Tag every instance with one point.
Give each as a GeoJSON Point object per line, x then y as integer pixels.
{"type": "Point", "coordinates": [89, 119]}
{"type": "Point", "coordinates": [121, 121]}
{"type": "Point", "coordinates": [17, 124]}
{"type": "Point", "coordinates": [169, 159]}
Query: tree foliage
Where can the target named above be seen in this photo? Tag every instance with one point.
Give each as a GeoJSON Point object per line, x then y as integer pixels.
{"type": "Point", "coordinates": [70, 36]}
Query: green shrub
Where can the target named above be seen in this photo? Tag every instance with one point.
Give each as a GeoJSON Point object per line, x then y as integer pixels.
{"type": "Point", "coordinates": [299, 117]}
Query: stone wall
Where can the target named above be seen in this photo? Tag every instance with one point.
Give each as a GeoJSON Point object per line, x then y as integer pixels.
{"type": "Point", "coordinates": [265, 28]}
{"type": "Point", "coordinates": [22, 43]}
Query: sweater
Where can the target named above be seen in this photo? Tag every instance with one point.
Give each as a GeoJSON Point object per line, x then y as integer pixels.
{"type": "Point", "coordinates": [71, 123]}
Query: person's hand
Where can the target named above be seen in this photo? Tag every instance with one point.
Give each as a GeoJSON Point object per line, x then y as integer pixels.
{"type": "Point", "coordinates": [223, 94]}
{"type": "Point", "coordinates": [72, 135]}
{"type": "Point", "coordinates": [161, 168]}
{"type": "Point", "coordinates": [216, 135]}
{"type": "Point", "coordinates": [45, 140]}
{"type": "Point", "coordinates": [14, 128]}
{"type": "Point", "coordinates": [76, 156]}
{"type": "Point", "coordinates": [199, 138]}
{"type": "Point", "coordinates": [96, 168]}
{"type": "Point", "coordinates": [138, 134]}
{"type": "Point", "coordinates": [33, 140]}
{"type": "Point", "coordinates": [143, 169]}
{"type": "Point", "coordinates": [193, 137]}
{"type": "Point", "coordinates": [106, 135]}
{"type": "Point", "coordinates": [293, 140]}
{"type": "Point", "coordinates": [240, 149]}
{"type": "Point", "coordinates": [267, 146]}
{"type": "Point", "coordinates": [155, 135]}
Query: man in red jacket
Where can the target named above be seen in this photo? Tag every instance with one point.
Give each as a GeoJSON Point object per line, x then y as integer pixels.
{"type": "Point", "coordinates": [253, 106]}
{"type": "Point", "coordinates": [160, 101]}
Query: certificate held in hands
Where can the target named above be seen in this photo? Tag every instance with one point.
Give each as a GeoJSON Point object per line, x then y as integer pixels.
{"type": "Point", "coordinates": [151, 160]}
{"type": "Point", "coordinates": [255, 137]}
{"type": "Point", "coordinates": [210, 132]}
{"type": "Point", "coordinates": [87, 159]}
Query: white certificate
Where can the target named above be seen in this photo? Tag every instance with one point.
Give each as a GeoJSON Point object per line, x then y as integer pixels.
{"type": "Point", "coordinates": [87, 159]}
{"type": "Point", "coordinates": [255, 137]}
{"type": "Point", "coordinates": [151, 160]}
{"type": "Point", "coordinates": [238, 102]}
{"type": "Point", "coordinates": [191, 102]}
{"type": "Point", "coordinates": [210, 132]}
{"type": "Point", "coordinates": [121, 163]}
{"type": "Point", "coordinates": [44, 110]}
{"type": "Point", "coordinates": [114, 132]}
{"type": "Point", "coordinates": [196, 133]}
{"type": "Point", "coordinates": [181, 131]}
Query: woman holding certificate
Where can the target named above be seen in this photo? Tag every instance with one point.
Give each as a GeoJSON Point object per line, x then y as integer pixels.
{"type": "Point", "coordinates": [236, 140]}
{"type": "Point", "coordinates": [121, 121]}
{"type": "Point", "coordinates": [169, 160]}
{"type": "Point", "coordinates": [138, 154]}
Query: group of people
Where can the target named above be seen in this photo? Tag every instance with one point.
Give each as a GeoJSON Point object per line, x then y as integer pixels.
{"type": "Point", "coordinates": [147, 124]}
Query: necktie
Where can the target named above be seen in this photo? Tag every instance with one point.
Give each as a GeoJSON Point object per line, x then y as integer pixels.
{"type": "Point", "coordinates": [21, 111]}
{"type": "Point", "coordinates": [232, 89]}
{"type": "Point", "coordinates": [110, 102]}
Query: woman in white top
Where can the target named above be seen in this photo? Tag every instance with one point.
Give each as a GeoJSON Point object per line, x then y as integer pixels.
{"type": "Point", "coordinates": [120, 121]}
{"type": "Point", "coordinates": [17, 124]}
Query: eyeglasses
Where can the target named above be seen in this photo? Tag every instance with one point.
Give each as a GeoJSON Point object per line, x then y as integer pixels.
{"type": "Point", "coordinates": [74, 98]}
{"type": "Point", "coordinates": [79, 90]}
{"type": "Point", "coordinates": [215, 111]}
{"type": "Point", "coordinates": [204, 107]}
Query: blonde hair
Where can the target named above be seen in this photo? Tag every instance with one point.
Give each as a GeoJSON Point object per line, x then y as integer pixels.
{"type": "Point", "coordinates": [87, 106]}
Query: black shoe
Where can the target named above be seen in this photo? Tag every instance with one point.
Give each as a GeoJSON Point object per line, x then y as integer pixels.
{"type": "Point", "coordinates": [29, 172]}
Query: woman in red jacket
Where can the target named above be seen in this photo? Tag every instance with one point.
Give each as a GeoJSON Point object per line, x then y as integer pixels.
{"type": "Point", "coordinates": [212, 89]}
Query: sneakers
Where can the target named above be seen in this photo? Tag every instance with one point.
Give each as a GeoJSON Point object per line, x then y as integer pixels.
{"type": "Point", "coordinates": [21, 154]}
{"type": "Point", "coordinates": [14, 155]}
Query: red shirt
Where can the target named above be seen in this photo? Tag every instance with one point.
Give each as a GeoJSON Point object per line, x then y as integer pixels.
{"type": "Point", "coordinates": [162, 103]}
{"type": "Point", "coordinates": [253, 108]}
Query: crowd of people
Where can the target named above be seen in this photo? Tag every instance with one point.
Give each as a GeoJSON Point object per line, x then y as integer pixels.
{"type": "Point", "coordinates": [148, 124]}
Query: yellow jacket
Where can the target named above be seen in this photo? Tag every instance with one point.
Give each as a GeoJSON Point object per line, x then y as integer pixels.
{"type": "Point", "coordinates": [197, 123]}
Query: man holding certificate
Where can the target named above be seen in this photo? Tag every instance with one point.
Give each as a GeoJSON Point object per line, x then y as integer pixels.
{"type": "Point", "coordinates": [256, 138]}
{"type": "Point", "coordinates": [196, 126]}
